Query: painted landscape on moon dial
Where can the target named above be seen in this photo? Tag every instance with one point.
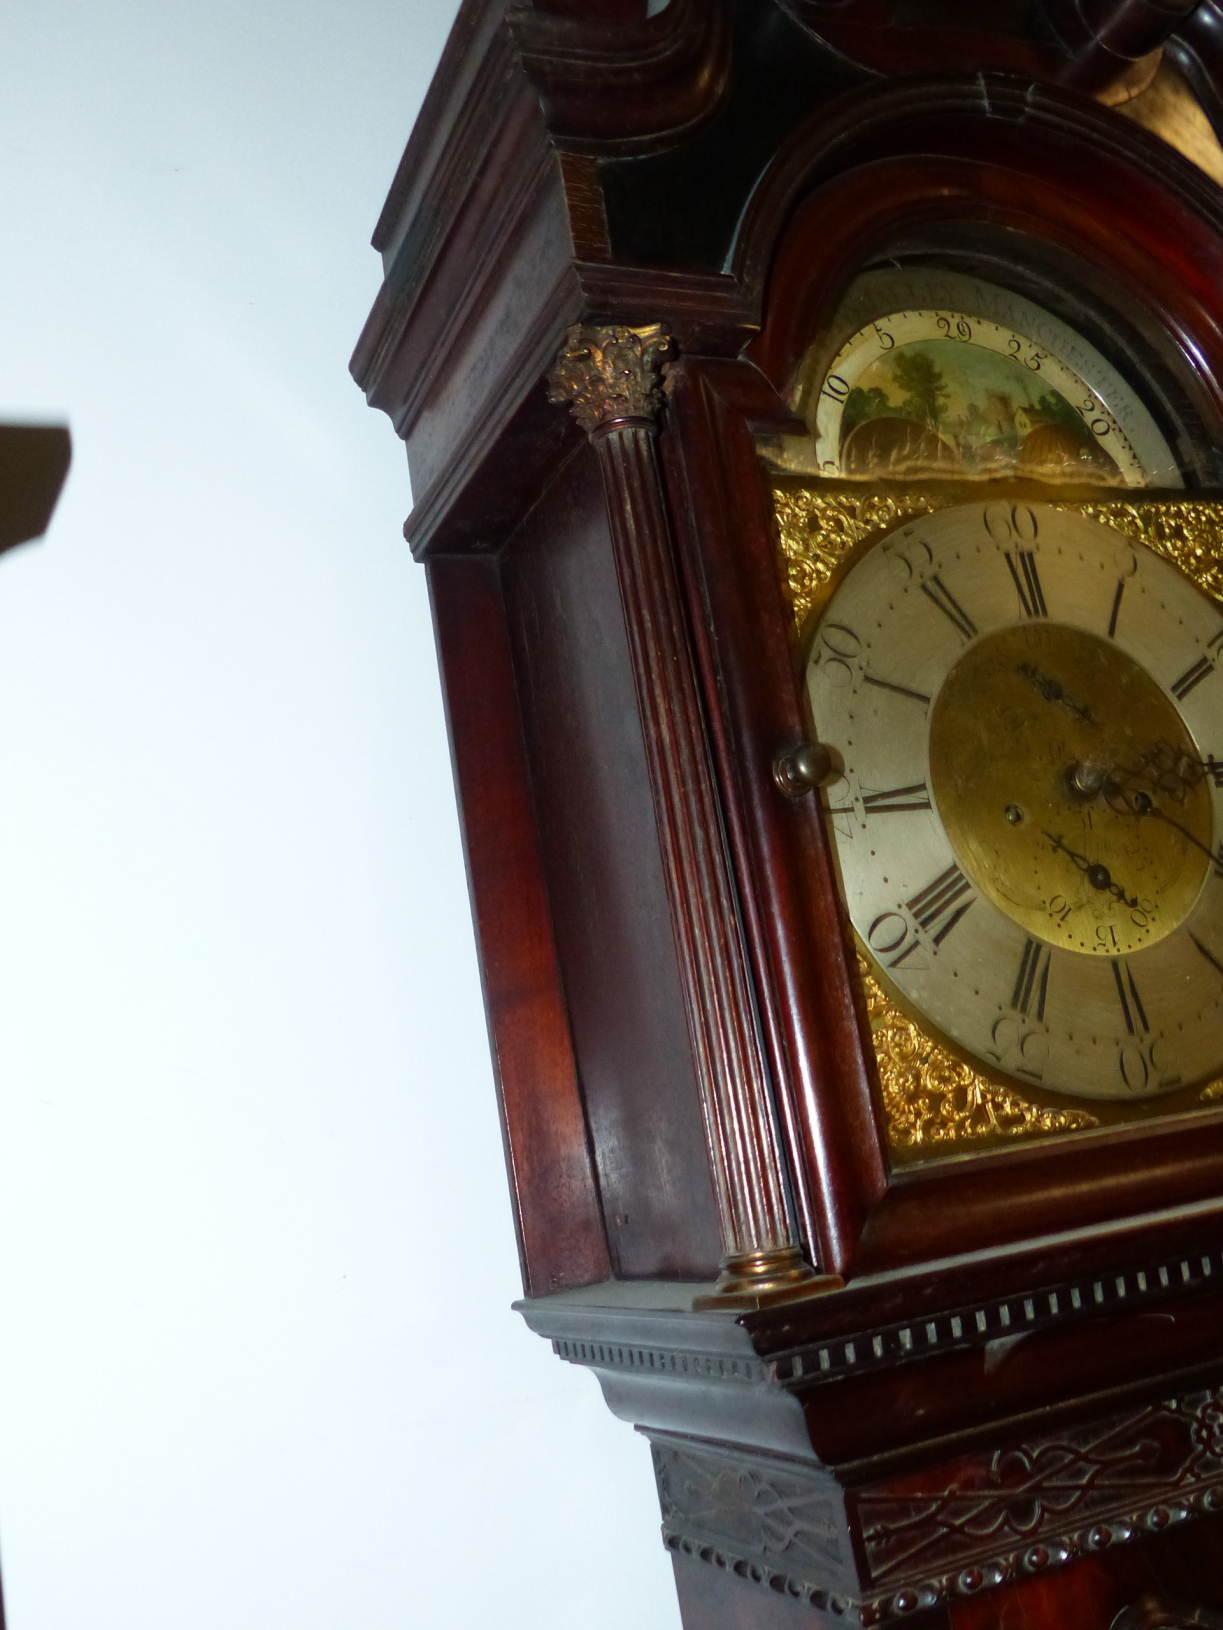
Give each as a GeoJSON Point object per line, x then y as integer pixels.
{"type": "Point", "coordinates": [943, 407]}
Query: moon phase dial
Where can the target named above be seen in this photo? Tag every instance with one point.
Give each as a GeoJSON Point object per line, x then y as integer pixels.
{"type": "Point", "coordinates": [927, 373]}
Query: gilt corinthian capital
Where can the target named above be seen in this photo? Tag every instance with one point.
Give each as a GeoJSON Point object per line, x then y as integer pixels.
{"type": "Point", "coordinates": [610, 374]}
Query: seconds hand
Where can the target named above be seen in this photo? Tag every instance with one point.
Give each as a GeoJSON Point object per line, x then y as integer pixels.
{"type": "Point", "coordinates": [1097, 875]}
{"type": "Point", "coordinates": [1143, 804]}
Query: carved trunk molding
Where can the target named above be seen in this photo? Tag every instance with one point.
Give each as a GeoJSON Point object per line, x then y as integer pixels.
{"type": "Point", "coordinates": [777, 1522]}
{"type": "Point", "coordinates": [906, 1543]}
{"type": "Point", "coordinates": [1042, 1503]}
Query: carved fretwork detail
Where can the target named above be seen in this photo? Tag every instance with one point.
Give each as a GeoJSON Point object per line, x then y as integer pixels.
{"type": "Point", "coordinates": [787, 1516]}
{"type": "Point", "coordinates": [608, 375]}
{"type": "Point", "coordinates": [819, 528]}
{"type": "Point", "coordinates": [1085, 1487]}
{"type": "Point", "coordinates": [982, 1520]}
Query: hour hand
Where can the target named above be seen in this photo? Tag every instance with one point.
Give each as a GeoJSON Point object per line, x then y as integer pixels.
{"type": "Point", "coordinates": [1054, 691]}
{"type": "Point", "coordinates": [1096, 874]}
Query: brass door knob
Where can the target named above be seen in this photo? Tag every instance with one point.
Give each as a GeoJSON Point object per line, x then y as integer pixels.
{"type": "Point", "coordinates": [803, 769]}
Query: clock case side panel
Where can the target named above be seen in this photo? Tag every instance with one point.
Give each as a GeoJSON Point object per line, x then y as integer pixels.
{"type": "Point", "coordinates": [555, 1196]}
{"type": "Point", "coordinates": [608, 1167]}
{"type": "Point", "coordinates": [601, 858]}
{"type": "Point", "coordinates": [1164, 245]}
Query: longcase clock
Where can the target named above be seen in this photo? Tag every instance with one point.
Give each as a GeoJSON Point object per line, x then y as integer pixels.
{"type": "Point", "coordinates": [815, 421]}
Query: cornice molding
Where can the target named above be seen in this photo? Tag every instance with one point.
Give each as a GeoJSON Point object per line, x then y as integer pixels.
{"type": "Point", "coordinates": [658, 79]}
{"type": "Point", "coordinates": [1087, 44]}
{"type": "Point", "coordinates": [435, 148]}
{"type": "Point", "coordinates": [482, 180]}
{"type": "Point", "coordinates": [857, 1348]}
{"type": "Point", "coordinates": [889, 120]}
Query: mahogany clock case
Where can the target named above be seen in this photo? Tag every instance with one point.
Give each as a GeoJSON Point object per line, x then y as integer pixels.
{"type": "Point", "coordinates": [990, 173]}
{"type": "Point", "coordinates": [719, 174]}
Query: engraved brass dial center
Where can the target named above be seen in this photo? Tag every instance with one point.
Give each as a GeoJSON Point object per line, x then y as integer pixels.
{"type": "Point", "coordinates": [1070, 788]}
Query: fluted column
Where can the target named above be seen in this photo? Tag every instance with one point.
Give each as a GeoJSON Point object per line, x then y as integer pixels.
{"type": "Point", "coordinates": [610, 379]}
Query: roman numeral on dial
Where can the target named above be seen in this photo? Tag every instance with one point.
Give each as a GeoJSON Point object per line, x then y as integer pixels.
{"type": "Point", "coordinates": [937, 908]}
{"type": "Point", "coordinates": [1132, 1009]}
{"type": "Point", "coordinates": [901, 690]}
{"type": "Point", "coordinates": [937, 592]}
{"type": "Point", "coordinates": [897, 800]}
{"type": "Point", "coordinates": [1209, 955]}
{"type": "Point", "coordinates": [1116, 611]}
{"type": "Point", "coordinates": [1201, 669]}
{"type": "Point", "coordinates": [1192, 678]}
{"type": "Point", "coordinates": [1023, 571]}
{"type": "Point", "coordinates": [1032, 980]}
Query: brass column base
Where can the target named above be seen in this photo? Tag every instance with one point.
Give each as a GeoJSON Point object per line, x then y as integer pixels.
{"type": "Point", "coordinates": [763, 1279]}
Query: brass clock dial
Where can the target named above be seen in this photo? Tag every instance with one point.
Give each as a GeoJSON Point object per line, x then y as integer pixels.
{"type": "Point", "coordinates": [1026, 706]}
{"type": "Point", "coordinates": [931, 373]}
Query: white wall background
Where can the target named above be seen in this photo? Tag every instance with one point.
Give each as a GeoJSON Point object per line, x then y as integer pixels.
{"type": "Point", "coordinates": [257, 1367]}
